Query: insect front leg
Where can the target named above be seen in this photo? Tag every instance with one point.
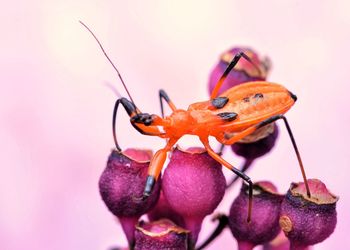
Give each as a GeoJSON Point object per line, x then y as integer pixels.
{"type": "Point", "coordinates": [132, 112]}
{"type": "Point", "coordinates": [248, 131]}
{"type": "Point", "coordinates": [156, 166]}
{"type": "Point", "coordinates": [239, 173]}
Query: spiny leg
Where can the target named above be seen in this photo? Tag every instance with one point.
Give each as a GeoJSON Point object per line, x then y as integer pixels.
{"type": "Point", "coordinates": [164, 95]}
{"type": "Point", "coordinates": [272, 119]}
{"type": "Point", "coordinates": [232, 64]}
{"type": "Point", "coordinates": [239, 173]}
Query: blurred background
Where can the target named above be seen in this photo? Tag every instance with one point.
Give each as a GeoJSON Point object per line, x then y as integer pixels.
{"type": "Point", "coordinates": [56, 110]}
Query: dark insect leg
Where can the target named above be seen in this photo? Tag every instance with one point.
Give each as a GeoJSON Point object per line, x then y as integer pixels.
{"type": "Point", "coordinates": [164, 95]}
{"type": "Point", "coordinates": [242, 175]}
{"type": "Point", "coordinates": [244, 168]}
{"type": "Point", "coordinates": [221, 149]}
{"type": "Point", "coordinates": [246, 165]}
{"type": "Point", "coordinates": [275, 118]}
{"type": "Point", "coordinates": [132, 112]}
{"type": "Point", "coordinates": [253, 128]}
{"type": "Point", "coordinates": [130, 109]}
{"type": "Point", "coordinates": [232, 64]}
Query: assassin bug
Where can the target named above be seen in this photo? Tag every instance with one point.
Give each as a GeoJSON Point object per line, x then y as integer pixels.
{"type": "Point", "coordinates": [230, 117]}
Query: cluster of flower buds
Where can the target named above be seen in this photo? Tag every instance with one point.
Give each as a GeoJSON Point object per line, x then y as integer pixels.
{"type": "Point", "coordinates": [304, 220]}
{"type": "Point", "coordinates": [193, 185]}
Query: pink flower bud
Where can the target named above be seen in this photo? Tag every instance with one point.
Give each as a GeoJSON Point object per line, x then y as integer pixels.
{"type": "Point", "coordinates": [193, 184]}
{"type": "Point", "coordinates": [121, 182]}
{"type": "Point", "coordinates": [263, 226]}
{"type": "Point", "coordinates": [162, 234]}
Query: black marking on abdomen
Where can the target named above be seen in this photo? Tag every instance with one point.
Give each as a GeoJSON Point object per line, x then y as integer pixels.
{"type": "Point", "coordinates": [219, 102]}
{"type": "Point", "coordinates": [246, 99]}
{"type": "Point", "coordinates": [228, 116]}
{"type": "Point", "coordinates": [258, 95]}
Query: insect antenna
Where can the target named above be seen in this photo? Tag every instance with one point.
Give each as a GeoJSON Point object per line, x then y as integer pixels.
{"type": "Point", "coordinates": [110, 61]}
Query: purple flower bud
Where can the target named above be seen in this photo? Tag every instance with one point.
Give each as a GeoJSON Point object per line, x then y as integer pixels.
{"type": "Point", "coordinates": [308, 220]}
{"type": "Point", "coordinates": [162, 234]}
{"type": "Point", "coordinates": [193, 184]}
{"type": "Point", "coordinates": [244, 71]}
{"type": "Point", "coordinates": [263, 226]}
{"type": "Point", "coordinates": [163, 211]}
{"type": "Point", "coordinates": [257, 144]}
{"type": "Point", "coordinates": [121, 182]}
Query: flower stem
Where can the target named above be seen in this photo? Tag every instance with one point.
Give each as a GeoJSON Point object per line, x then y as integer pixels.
{"type": "Point", "coordinates": [294, 246]}
{"type": "Point", "coordinates": [128, 225]}
{"type": "Point", "coordinates": [223, 222]}
{"type": "Point", "coordinates": [242, 245]}
{"type": "Point", "coordinates": [194, 225]}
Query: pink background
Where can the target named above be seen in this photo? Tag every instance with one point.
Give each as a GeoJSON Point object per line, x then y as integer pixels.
{"type": "Point", "coordinates": [56, 113]}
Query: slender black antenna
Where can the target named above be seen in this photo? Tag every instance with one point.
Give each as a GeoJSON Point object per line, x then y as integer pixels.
{"type": "Point", "coordinates": [104, 52]}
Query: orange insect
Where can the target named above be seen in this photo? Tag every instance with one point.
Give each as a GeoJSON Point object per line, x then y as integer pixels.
{"type": "Point", "coordinates": [230, 117]}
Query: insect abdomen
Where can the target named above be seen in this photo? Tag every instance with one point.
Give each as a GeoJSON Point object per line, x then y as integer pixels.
{"type": "Point", "coordinates": [256, 101]}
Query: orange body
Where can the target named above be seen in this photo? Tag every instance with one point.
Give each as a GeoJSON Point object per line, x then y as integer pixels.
{"type": "Point", "coordinates": [253, 102]}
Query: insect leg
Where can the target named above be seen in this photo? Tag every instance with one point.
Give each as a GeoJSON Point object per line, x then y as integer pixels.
{"type": "Point", "coordinates": [274, 118]}
{"type": "Point", "coordinates": [239, 173]}
{"type": "Point", "coordinates": [130, 109]}
{"type": "Point", "coordinates": [232, 64]}
{"type": "Point", "coordinates": [247, 163]}
{"type": "Point", "coordinates": [164, 95]}
{"type": "Point", "coordinates": [156, 166]}
{"type": "Point", "coordinates": [221, 149]}
{"type": "Point", "coordinates": [132, 112]}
